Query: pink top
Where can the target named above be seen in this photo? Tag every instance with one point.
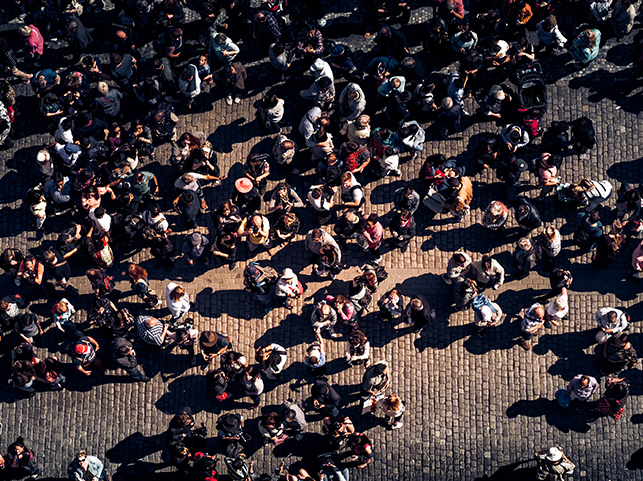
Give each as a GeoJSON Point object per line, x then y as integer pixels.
{"type": "Point", "coordinates": [373, 236]}
{"type": "Point", "coordinates": [547, 175]}
{"type": "Point", "coordinates": [34, 43]}
{"type": "Point", "coordinates": [637, 258]}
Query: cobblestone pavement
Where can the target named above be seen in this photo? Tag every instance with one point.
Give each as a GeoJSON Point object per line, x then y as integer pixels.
{"type": "Point", "coordinates": [474, 407]}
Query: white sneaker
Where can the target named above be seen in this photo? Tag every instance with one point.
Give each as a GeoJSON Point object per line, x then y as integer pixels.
{"type": "Point", "coordinates": [228, 99]}
{"type": "Point", "coordinates": [397, 425]}
{"type": "Point", "coordinates": [378, 260]}
{"type": "Point", "coordinates": [237, 100]}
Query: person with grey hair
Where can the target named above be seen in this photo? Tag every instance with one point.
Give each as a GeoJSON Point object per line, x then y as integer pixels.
{"type": "Point", "coordinates": [108, 102]}
{"type": "Point", "coordinates": [351, 102]}
{"type": "Point", "coordinates": [223, 49]}
{"type": "Point", "coordinates": [449, 117]}
{"type": "Point", "coordinates": [610, 321]}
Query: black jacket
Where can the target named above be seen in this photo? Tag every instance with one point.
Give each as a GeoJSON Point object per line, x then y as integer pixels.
{"type": "Point", "coordinates": [531, 220]}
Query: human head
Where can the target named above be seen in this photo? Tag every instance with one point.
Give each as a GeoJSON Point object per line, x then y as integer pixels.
{"type": "Point", "coordinates": [103, 88]}
{"type": "Point", "coordinates": [447, 102]}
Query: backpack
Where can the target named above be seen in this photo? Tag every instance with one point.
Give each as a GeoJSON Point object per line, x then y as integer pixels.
{"type": "Point", "coordinates": [480, 301]}
{"type": "Point", "coordinates": [238, 469]}
{"type": "Point", "coordinates": [333, 175]}
{"type": "Point", "coordinates": [352, 161]}
{"type": "Point", "coordinates": [260, 278]}
{"type": "Point", "coordinates": [380, 271]}
{"type": "Point", "coordinates": [582, 239]}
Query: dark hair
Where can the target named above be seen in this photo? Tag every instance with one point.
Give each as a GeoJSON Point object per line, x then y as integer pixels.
{"type": "Point", "coordinates": [324, 82]}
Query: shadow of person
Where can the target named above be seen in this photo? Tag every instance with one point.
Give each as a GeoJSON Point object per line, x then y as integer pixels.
{"type": "Point", "coordinates": [636, 460]}
{"type": "Point", "coordinates": [512, 472]}
{"type": "Point", "coordinates": [135, 447]}
{"type": "Point", "coordinates": [565, 421]}
{"type": "Point", "coordinates": [143, 469]}
{"type": "Point", "coordinates": [186, 387]}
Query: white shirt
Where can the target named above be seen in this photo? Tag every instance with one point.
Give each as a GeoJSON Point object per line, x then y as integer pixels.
{"type": "Point", "coordinates": [104, 224]}
{"type": "Point", "coordinates": [177, 308]}
{"type": "Point", "coordinates": [553, 313]}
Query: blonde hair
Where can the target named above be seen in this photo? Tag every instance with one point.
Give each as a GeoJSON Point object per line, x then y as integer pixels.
{"type": "Point", "coordinates": [103, 88]}
{"type": "Point", "coordinates": [177, 293]}
{"type": "Point", "coordinates": [25, 30]}
{"type": "Point", "coordinates": [62, 306]}
{"type": "Point", "coordinates": [394, 402]}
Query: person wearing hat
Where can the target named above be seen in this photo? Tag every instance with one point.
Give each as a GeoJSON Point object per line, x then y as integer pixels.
{"type": "Point", "coordinates": [321, 68]}
{"type": "Point", "coordinates": [288, 287]}
{"type": "Point", "coordinates": [617, 355]}
{"type": "Point", "coordinates": [84, 355]}
{"type": "Point", "coordinates": [125, 358]}
{"type": "Point", "coordinates": [246, 196]}
{"type": "Point", "coordinates": [527, 256]}
{"type": "Point", "coordinates": [532, 321]}
{"type": "Point", "coordinates": [553, 465]}
{"type": "Point", "coordinates": [256, 228]}
{"type": "Point", "coordinates": [514, 137]}
{"type": "Point", "coordinates": [527, 215]}
{"type": "Point", "coordinates": [194, 249]}
{"type": "Point", "coordinates": [342, 63]}
{"type": "Point", "coordinates": [213, 344]}
{"type": "Point", "coordinates": [44, 165]}
{"type": "Point", "coordinates": [352, 102]}
{"type": "Point", "coordinates": [510, 170]}
{"type": "Point", "coordinates": [495, 216]}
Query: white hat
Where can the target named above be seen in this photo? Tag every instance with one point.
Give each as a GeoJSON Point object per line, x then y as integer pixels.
{"type": "Point", "coordinates": [42, 156]}
{"type": "Point", "coordinates": [317, 65]}
{"type": "Point", "coordinates": [288, 274]}
{"type": "Point", "coordinates": [554, 455]}
{"type": "Point", "coordinates": [485, 313]}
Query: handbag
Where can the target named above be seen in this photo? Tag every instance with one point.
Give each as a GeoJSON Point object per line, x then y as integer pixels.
{"type": "Point", "coordinates": [562, 397]}
{"type": "Point", "coordinates": [434, 200]}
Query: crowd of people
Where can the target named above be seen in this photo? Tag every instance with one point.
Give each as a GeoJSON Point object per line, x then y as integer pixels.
{"type": "Point", "coordinates": [97, 196]}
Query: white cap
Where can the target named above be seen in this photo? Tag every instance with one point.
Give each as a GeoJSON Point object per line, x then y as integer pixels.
{"type": "Point", "coordinates": [554, 455]}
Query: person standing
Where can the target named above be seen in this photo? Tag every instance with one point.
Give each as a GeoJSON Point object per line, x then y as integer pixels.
{"type": "Point", "coordinates": [125, 358]}
{"type": "Point", "coordinates": [532, 321]}
{"type": "Point", "coordinates": [393, 408]}
{"type": "Point", "coordinates": [581, 387]}
{"type": "Point", "coordinates": [178, 301]}
{"type": "Point", "coordinates": [553, 465]}
{"type": "Point", "coordinates": [373, 234]}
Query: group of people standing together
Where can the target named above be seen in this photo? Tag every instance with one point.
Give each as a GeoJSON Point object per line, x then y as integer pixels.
{"type": "Point", "coordinates": [96, 175]}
